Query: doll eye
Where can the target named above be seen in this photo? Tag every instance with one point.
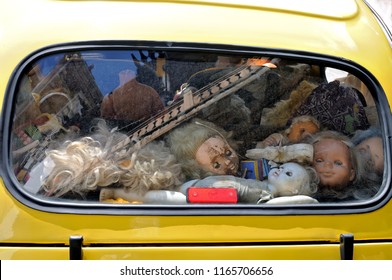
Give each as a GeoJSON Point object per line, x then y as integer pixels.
{"type": "Point", "coordinates": [228, 153]}
{"type": "Point", "coordinates": [289, 173]}
{"type": "Point", "coordinates": [338, 162]}
{"type": "Point", "coordinates": [319, 160]}
{"type": "Point", "coordinates": [216, 165]}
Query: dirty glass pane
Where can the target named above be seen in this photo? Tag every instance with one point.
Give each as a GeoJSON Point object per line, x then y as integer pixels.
{"type": "Point", "coordinates": [171, 127]}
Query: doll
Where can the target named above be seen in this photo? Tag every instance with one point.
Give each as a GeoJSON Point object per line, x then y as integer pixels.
{"type": "Point", "coordinates": [300, 128]}
{"type": "Point", "coordinates": [334, 159]}
{"type": "Point", "coordinates": [336, 163]}
{"type": "Point", "coordinates": [203, 149]}
{"type": "Point", "coordinates": [86, 165]}
{"type": "Point", "coordinates": [369, 146]}
{"type": "Point", "coordinates": [288, 179]}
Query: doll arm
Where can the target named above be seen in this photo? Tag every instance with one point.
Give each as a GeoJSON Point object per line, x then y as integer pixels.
{"type": "Point", "coordinates": [153, 197]}
{"type": "Point", "coordinates": [296, 199]}
{"type": "Point", "coordinates": [302, 153]}
{"type": "Point", "coordinates": [248, 190]}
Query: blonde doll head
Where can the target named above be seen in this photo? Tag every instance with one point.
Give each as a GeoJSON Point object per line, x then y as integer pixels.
{"type": "Point", "coordinates": [203, 149]}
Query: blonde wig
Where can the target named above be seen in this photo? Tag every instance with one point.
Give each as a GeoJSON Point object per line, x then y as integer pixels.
{"type": "Point", "coordinates": [89, 163]}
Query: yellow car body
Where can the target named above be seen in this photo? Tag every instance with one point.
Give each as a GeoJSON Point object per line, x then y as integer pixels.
{"type": "Point", "coordinates": [346, 29]}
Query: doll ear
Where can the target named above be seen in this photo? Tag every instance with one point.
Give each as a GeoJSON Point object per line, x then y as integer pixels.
{"type": "Point", "coordinates": [352, 175]}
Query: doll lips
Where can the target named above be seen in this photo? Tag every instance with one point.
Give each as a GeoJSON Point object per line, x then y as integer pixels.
{"type": "Point", "coordinates": [326, 174]}
{"type": "Point", "coordinates": [233, 169]}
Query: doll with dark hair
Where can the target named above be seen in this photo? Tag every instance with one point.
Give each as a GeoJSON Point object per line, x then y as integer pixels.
{"type": "Point", "coordinates": [369, 146]}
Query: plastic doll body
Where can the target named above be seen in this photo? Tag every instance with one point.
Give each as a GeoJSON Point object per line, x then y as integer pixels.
{"type": "Point", "coordinates": [289, 179]}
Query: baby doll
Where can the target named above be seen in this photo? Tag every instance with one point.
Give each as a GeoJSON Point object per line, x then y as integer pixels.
{"type": "Point", "coordinates": [336, 164]}
{"type": "Point", "coordinates": [300, 128]}
{"type": "Point", "coordinates": [203, 149]}
{"type": "Point", "coordinates": [289, 179]}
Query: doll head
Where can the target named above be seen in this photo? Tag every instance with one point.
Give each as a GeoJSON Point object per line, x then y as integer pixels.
{"type": "Point", "coordinates": [334, 160]}
{"type": "Point", "coordinates": [292, 179]}
{"type": "Point", "coordinates": [203, 149]}
{"type": "Point", "coordinates": [369, 145]}
{"type": "Point", "coordinates": [302, 127]}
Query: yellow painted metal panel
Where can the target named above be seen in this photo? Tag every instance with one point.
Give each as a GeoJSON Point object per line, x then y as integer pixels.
{"type": "Point", "coordinates": [350, 34]}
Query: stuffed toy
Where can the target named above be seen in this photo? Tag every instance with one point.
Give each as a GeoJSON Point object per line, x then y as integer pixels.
{"type": "Point", "coordinates": [279, 115]}
{"type": "Point", "coordinates": [131, 101]}
{"type": "Point", "coordinates": [288, 179]}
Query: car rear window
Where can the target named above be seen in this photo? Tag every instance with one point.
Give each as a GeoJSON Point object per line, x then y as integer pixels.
{"type": "Point", "coordinates": [194, 126]}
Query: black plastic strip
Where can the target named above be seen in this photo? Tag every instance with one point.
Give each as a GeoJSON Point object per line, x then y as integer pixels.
{"type": "Point", "coordinates": [346, 246]}
{"type": "Point", "coordinates": [75, 247]}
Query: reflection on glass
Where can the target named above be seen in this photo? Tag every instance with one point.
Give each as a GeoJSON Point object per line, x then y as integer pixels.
{"type": "Point", "coordinates": [160, 127]}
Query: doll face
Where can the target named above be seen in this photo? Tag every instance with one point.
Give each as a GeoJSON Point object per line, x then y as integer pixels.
{"type": "Point", "coordinates": [371, 150]}
{"type": "Point", "coordinates": [287, 179]}
{"type": "Point", "coordinates": [215, 155]}
{"type": "Point", "coordinates": [300, 130]}
{"type": "Point", "coordinates": [332, 163]}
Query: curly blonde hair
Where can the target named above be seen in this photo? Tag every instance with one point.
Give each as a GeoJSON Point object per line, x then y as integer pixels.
{"type": "Point", "coordinates": [89, 163]}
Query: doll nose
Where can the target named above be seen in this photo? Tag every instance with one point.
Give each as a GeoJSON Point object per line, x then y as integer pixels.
{"type": "Point", "coordinates": [328, 164]}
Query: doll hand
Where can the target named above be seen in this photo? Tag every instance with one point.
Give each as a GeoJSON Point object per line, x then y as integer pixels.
{"type": "Point", "coordinates": [297, 152]}
{"type": "Point", "coordinates": [296, 199]}
{"type": "Point", "coordinates": [275, 139]}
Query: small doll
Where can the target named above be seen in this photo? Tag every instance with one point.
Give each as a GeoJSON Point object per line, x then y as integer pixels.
{"type": "Point", "coordinates": [300, 128]}
{"type": "Point", "coordinates": [203, 149]}
{"type": "Point", "coordinates": [288, 179]}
